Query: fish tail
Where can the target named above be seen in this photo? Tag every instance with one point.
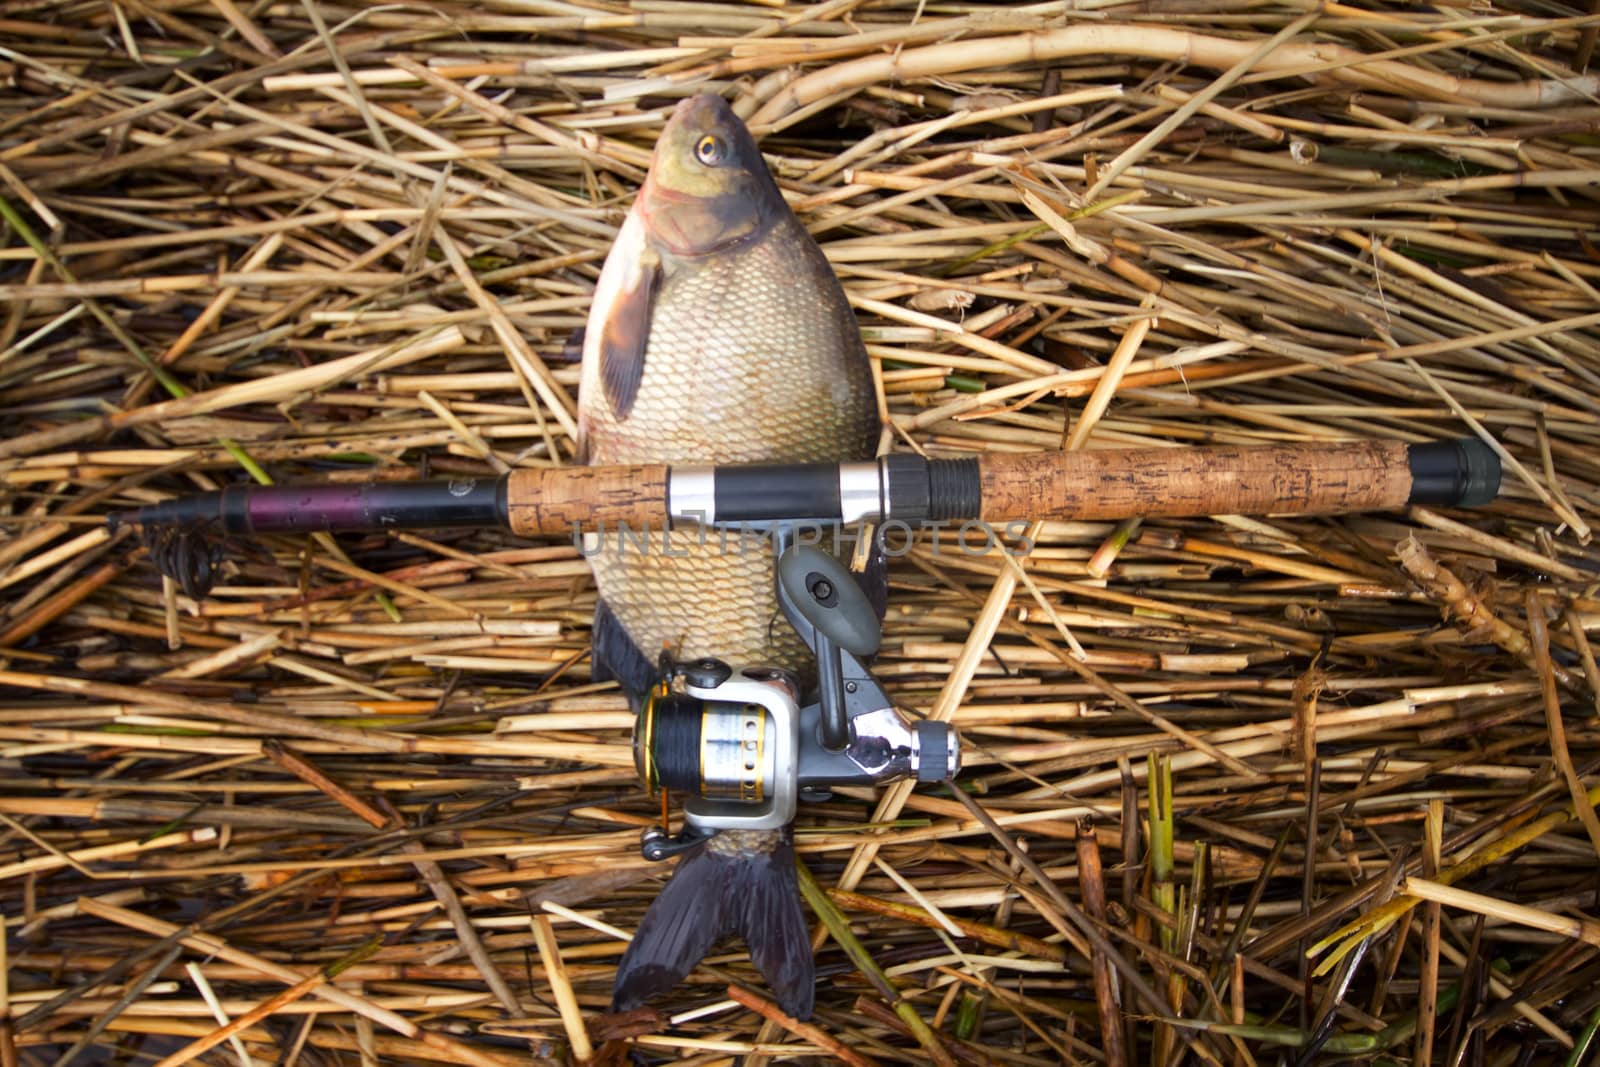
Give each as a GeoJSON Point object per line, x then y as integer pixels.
{"type": "Point", "coordinates": [737, 883]}
{"type": "Point", "coordinates": [773, 925]}
{"type": "Point", "coordinates": [683, 922]}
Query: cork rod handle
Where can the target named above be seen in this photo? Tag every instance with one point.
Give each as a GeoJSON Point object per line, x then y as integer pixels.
{"type": "Point", "coordinates": [1172, 482]}
{"type": "Point", "coordinates": [556, 500]}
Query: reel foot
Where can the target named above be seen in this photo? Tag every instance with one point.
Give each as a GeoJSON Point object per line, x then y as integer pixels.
{"type": "Point", "coordinates": [656, 844]}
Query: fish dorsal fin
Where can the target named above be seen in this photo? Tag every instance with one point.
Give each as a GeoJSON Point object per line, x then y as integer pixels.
{"type": "Point", "coordinates": [626, 334]}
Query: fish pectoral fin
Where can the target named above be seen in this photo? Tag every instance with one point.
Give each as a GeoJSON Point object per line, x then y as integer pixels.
{"type": "Point", "coordinates": [626, 333]}
{"type": "Point", "coordinates": [773, 925]}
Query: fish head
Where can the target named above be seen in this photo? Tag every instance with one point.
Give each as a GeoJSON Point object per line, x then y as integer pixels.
{"type": "Point", "coordinates": [708, 186]}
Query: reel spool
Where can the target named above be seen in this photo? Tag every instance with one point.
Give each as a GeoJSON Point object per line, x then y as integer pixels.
{"type": "Point", "coordinates": [728, 743]}
{"type": "Point", "coordinates": [714, 749]}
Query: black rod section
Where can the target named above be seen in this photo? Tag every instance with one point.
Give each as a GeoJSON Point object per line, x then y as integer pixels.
{"type": "Point", "coordinates": [767, 492]}
{"type": "Point", "coordinates": [255, 509]}
{"type": "Point", "coordinates": [1463, 473]}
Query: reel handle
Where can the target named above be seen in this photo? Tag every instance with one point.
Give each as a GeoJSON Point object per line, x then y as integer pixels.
{"type": "Point", "coordinates": [826, 595]}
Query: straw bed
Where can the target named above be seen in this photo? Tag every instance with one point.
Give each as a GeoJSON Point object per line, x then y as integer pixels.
{"type": "Point", "coordinates": [1239, 790]}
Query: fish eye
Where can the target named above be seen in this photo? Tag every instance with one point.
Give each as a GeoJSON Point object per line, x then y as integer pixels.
{"type": "Point", "coordinates": [710, 150]}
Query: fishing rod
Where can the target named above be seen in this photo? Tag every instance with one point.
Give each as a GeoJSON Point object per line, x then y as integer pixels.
{"type": "Point", "coordinates": [736, 739]}
{"type": "Point", "coordinates": [1304, 479]}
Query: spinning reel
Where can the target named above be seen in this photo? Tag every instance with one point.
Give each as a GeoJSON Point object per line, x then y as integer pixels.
{"type": "Point", "coordinates": [739, 745]}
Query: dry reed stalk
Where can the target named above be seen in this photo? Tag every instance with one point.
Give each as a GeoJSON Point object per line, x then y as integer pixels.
{"type": "Point", "coordinates": [1107, 1002]}
{"type": "Point", "coordinates": [1587, 930]}
{"type": "Point", "coordinates": [804, 1031]}
{"type": "Point", "coordinates": [351, 242]}
{"type": "Point", "coordinates": [356, 1003]}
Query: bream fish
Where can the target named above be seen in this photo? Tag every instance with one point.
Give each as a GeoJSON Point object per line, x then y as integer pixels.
{"type": "Point", "coordinates": [718, 334]}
